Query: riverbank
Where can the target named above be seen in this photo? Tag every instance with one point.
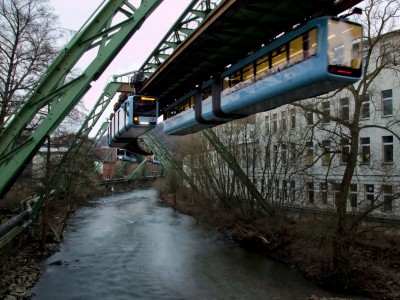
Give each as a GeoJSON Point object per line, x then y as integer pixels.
{"type": "Point", "coordinates": [301, 244]}
{"type": "Point", "coordinates": [20, 272]}
{"type": "Point", "coordinates": [304, 244]}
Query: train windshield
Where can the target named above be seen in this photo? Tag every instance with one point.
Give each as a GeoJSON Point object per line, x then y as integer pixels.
{"type": "Point", "coordinates": [120, 152]}
{"type": "Point", "coordinates": [344, 46]}
{"type": "Point", "coordinates": [145, 106]}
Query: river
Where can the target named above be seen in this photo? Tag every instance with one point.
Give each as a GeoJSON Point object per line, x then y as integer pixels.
{"type": "Point", "coordinates": [130, 246]}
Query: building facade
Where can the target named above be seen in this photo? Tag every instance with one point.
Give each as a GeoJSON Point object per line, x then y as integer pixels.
{"type": "Point", "coordinates": [307, 144]}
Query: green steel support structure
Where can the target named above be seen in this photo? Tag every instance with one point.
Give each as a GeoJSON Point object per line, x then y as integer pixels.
{"type": "Point", "coordinates": [108, 154]}
{"type": "Point", "coordinates": [136, 171]}
{"type": "Point", "coordinates": [153, 143]}
{"type": "Point", "coordinates": [107, 32]}
{"type": "Point", "coordinates": [190, 19]}
{"type": "Point", "coordinates": [83, 134]}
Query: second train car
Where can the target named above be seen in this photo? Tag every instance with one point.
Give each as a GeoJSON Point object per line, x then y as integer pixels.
{"type": "Point", "coordinates": [126, 155]}
{"type": "Point", "coordinates": [136, 115]}
{"type": "Point", "coordinates": [317, 58]}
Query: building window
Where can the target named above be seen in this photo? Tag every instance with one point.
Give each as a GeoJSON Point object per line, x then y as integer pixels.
{"type": "Point", "coordinates": [326, 111]}
{"type": "Point", "coordinates": [292, 191]}
{"type": "Point", "coordinates": [353, 195]}
{"type": "Point", "coordinates": [285, 190]}
{"type": "Point", "coordinates": [275, 154]}
{"type": "Point", "coordinates": [309, 153]}
{"type": "Point", "coordinates": [267, 123]}
{"type": "Point", "coordinates": [326, 155]}
{"type": "Point", "coordinates": [283, 121]}
{"type": "Point", "coordinates": [310, 189]}
{"type": "Point", "coordinates": [365, 150]}
{"type": "Point", "coordinates": [387, 149]}
{"type": "Point", "coordinates": [267, 156]}
{"type": "Point", "coordinates": [292, 149]}
{"type": "Point", "coordinates": [292, 118]}
{"type": "Point", "coordinates": [365, 112]}
{"type": "Point", "coordinates": [309, 115]}
{"type": "Point", "coordinates": [345, 150]}
{"type": "Point", "coordinates": [344, 109]}
{"type": "Point", "coordinates": [277, 190]}
{"type": "Point", "coordinates": [387, 103]}
{"type": "Point", "coordinates": [369, 194]}
{"type": "Point", "coordinates": [336, 193]}
{"type": "Point", "coordinates": [243, 156]}
{"type": "Point", "coordinates": [274, 122]}
{"type": "Point", "coordinates": [387, 198]}
{"type": "Point", "coordinates": [284, 151]}
{"type": "Point", "coordinates": [386, 51]}
{"type": "Point", "coordinates": [324, 192]}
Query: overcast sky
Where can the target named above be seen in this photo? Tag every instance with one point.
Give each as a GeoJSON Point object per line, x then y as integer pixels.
{"type": "Point", "coordinates": [74, 13]}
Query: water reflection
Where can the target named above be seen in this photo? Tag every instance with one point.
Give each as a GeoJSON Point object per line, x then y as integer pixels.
{"type": "Point", "coordinates": [128, 246]}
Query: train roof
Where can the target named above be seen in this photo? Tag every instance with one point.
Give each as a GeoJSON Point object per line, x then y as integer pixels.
{"type": "Point", "coordinates": [228, 35]}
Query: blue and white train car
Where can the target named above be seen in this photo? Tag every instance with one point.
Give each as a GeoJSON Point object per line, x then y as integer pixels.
{"type": "Point", "coordinates": [153, 159]}
{"type": "Point", "coordinates": [322, 56]}
{"type": "Point", "coordinates": [126, 155]}
{"type": "Point", "coordinates": [137, 115]}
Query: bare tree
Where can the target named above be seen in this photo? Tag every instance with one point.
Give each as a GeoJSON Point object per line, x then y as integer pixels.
{"type": "Point", "coordinates": [28, 44]}
{"type": "Point", "coordinates": [340, 122]}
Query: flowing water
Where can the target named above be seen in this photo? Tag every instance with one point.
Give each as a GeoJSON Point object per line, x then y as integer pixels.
{"type": "Point", "coordinates": [130, 246]}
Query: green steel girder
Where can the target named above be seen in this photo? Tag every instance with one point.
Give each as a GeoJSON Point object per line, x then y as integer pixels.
{"type": "Point", "coordinates": [108, 154]}
{"type": "Point", "coordinates": [100, 133]}
{"type": "Point", "coordinates": [51, 89]}
{"type": "Point", "coordinates": [119, 170]}
{"type": "Point", "coordinates": [190, 19]}
{"type": "Point", "coordinates": [152, 142]}
{"type": "Point", "coordinates": [131, 176]}
{"type": "Point", "coordinates": [82, 135]}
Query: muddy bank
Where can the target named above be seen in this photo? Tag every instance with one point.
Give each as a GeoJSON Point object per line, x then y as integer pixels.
{"type": "Point", "coordinates": [20, 271]}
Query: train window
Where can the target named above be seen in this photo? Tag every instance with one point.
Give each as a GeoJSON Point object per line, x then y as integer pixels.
{"type": "Point", "coordinates": [121, 119]}
{"type": "Point", "coordinates": [181, 107]}
{"type": "Point", "coordinates": [262, 65]}
{"type": "Point", "coordinates": [191, 100]}
{"type": "Point", "coordinates": [296, 53]}
{"type": "Point", "coordinates": [145, 106]}
{"type": "Point", "coordinates": [225, 83]}
{"type": "Point", "coordinates": [344, 46]}
{"type": "Point", "coordinates": [279, 56]}
{"type": "Point", "coordinates": [206, 93]}
{"type": "Point", "coordinates": [312, 42]}
{"type": "Point", "coordinates": [248, 72]}
{"type": "Point", "coordinates": [235, 78]}
{"type": "Point", "coordinates": [120, 152]}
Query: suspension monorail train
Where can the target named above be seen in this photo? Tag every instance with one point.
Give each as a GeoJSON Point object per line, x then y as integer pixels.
{"type": "Point", "coordinates": [126, 155]}
{"type": "Point", "coordinates": [153, 159]}
{"type": "Point", "coordinates": [319, 57]}
{"type": "Point", "coordinates": [136, 115]}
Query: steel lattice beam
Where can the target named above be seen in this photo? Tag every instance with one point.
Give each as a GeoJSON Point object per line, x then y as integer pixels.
{"type": "Point", "coordinates": [190, 20]}
{"type": "Point", "coordinates": [107, 31]}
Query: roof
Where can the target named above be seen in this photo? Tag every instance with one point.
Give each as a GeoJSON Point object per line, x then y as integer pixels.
{"type": "Point", "coordinates": [229, 34]}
